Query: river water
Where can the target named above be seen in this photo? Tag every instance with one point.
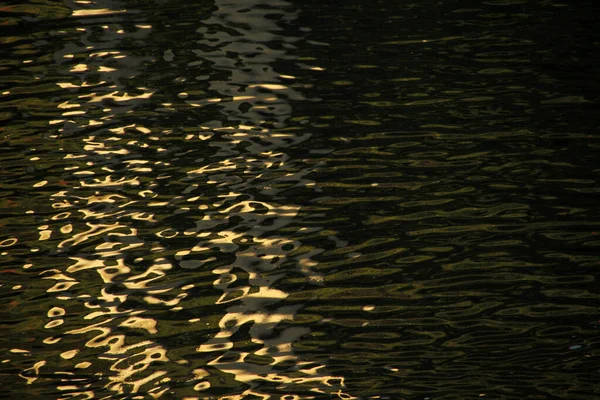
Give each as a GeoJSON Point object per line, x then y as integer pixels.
{"type": "Point", "coordinates": [269, 199]}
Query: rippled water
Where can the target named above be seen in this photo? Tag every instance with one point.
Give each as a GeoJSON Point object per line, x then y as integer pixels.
{"type": "Point", "coordinates": [268, 199]}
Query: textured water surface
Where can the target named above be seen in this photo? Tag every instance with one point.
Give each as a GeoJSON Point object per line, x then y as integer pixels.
{"type": "Point", "coordinates": [268, 199]}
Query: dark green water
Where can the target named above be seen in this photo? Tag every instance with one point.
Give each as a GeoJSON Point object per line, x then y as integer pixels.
{"type": "Point", "coordinates": [265, 199]}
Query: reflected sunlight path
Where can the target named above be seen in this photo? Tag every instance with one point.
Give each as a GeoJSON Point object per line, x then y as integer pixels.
{"type": "Point", "coordinates": [104, 215]}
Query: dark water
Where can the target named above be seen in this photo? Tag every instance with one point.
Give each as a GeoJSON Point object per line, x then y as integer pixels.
{"type": "Point", "coordinates": [265, 199]}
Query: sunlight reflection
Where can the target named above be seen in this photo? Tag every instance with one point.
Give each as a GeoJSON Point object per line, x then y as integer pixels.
{"type": "Point", "coordinates": [132, 273]}
{"type": "Point", "coordinates": [97, 11]}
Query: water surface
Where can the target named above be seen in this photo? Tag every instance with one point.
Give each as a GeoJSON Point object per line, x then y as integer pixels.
{"type": "Point", "coordinates": [256, 199]}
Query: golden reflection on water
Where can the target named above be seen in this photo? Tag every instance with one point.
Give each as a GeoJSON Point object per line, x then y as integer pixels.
{"type": "Point", "coordinates": [154, 241]}
{"type": "Point", "coordinates": [119, 344]}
